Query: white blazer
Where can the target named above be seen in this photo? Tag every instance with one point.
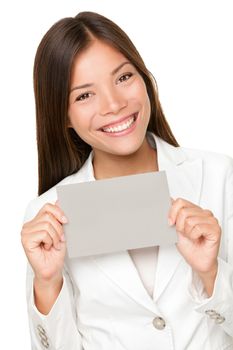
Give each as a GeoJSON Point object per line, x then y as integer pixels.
{"type": "Point", "coordinates": [103, 304]}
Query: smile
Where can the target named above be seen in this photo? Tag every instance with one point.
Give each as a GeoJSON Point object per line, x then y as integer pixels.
{"type": "Point", "coordinates": [121, 127]}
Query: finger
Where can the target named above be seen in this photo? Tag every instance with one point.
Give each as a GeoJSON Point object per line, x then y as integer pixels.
{"type": "Point", "coordinates": [185, 214]}
{"type": "Point", "coordinates": [54, 222]}
{"type": "Point", "coordinates": [55, 210]}
{"type": "Point", "coordinates": [203, 230]}
{"type": "Point", "coordinates": [193, 221]}
{"type": "Point", "coordinates": [43, 226]}
{"type": "Point", "coordinates": [176, 206]}
{"type": "Point", "coordinates": [39, 237]}
{"type": "Point", "coordinates": [49, 217]}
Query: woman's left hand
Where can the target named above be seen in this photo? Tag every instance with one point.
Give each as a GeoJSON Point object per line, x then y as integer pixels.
{"type": "Point", "coordinates": [198, 236]}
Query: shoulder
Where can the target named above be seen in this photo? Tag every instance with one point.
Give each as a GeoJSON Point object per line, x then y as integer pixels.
{"type": "Point", "coordinates": [211, 160]}
{"type": "Point", "coordinates": [217, 168]}
{"type": "Point", "coordinates": [50, 196]}
{"type": "Point", "coordinates": [169, 154]}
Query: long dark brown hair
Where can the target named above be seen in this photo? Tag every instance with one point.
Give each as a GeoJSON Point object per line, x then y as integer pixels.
{"type": "Point", "coordinates": [61, 152]}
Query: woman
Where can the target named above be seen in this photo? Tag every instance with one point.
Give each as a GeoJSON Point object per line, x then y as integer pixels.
{"type": "Point", "coordinates": [99, 116]}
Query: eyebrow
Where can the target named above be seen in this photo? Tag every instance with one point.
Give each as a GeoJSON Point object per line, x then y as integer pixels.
{"type": "Point", "coordinates": [91, 84]}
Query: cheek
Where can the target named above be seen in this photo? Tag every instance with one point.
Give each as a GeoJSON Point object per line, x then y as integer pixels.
{"type": "Point", "coordinates": [140, 93]}
{"type": "Point", "coordinates": [144, 100]}
{"type": "Point", "coordinates": [79, 120]}
{"type": "Point", "coordinates": [136, 90]}
{"type": "Point", "coordinates": [147, 105]}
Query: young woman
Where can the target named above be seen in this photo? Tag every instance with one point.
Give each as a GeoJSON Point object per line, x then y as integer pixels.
{"type": "Point", "coordinates": [99, 116]}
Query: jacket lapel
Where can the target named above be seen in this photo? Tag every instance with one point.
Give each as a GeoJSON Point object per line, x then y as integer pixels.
{"type": "Point", "coordinates": [119, 268]}
{"type": "Point", "coordinates": [184, 180]}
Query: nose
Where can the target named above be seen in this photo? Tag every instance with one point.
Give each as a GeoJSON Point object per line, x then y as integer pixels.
{"type": "Point", "coordinates": [111, 101]}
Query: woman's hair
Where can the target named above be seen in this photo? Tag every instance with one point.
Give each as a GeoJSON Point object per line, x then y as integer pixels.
{"type": "Point", "coordinates": [61, 152]}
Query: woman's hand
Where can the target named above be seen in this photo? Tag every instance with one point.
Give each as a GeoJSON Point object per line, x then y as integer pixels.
{"type": "Point", "coordinates": [198, 238]}
{"type": "Point", "coordinates": [44, 243]}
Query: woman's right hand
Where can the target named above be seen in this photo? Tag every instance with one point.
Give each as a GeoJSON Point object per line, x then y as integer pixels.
{"type": "Point", "coordinates": [44, 242]}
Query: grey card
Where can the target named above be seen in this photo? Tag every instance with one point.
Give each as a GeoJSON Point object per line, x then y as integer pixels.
{"type": "Point", "coordinates": [116, 214]}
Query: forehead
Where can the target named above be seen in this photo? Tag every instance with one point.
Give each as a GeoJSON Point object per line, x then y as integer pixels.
{"type": "Point", "coordinates": [97, 57]}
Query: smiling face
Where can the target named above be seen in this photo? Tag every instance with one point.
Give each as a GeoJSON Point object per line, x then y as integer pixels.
{"type": "Point", "coordinates": [111, 113]}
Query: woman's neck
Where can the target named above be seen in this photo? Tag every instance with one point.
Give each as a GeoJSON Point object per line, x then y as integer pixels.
{"type": "Point", "coordinates": [106, 165]}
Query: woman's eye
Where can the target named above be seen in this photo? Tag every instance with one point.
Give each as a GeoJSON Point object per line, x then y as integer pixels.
{"type": "Point", "coordinates": [83, 97]}
{"type": "Point", "coordinates": [127, 76]}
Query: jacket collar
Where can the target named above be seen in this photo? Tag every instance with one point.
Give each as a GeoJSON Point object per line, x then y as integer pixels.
{"type": "Point", "coordinates": [184, 175]}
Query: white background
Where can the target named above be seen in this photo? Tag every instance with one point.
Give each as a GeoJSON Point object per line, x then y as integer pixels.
{"type": "Point", "coordinates": [187, 45]}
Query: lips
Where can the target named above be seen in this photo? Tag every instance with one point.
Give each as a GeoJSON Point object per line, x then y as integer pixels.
{"type": "Point", "coordinates": [119, 121]}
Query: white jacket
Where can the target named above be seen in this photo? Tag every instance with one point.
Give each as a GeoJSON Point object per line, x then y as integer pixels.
{"type": "Point", "coordinates": [103, 304]}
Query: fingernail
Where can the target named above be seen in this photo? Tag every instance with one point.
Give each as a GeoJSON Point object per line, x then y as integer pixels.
{"type": "Point", "coordinates": [64, 220]}
{"type": "Point", "coordinates": [170, 222]}
{"type": "Point", "coordinates": [63, 238]}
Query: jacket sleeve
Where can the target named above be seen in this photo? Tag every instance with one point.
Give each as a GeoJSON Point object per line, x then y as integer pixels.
{"type": "Point", "coordinates": [58, 329]}
{"type": "Point", "coordinates": [219, 307]}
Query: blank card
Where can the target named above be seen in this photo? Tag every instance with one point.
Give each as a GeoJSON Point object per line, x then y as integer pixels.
{"type": "Point", "coordinates": [116, 214]}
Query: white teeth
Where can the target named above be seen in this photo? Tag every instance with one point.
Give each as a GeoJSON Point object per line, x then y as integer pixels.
{"type": "Point", "coordinates": [120, 127]}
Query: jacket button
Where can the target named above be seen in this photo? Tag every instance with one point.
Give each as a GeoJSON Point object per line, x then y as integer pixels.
{"type": "Point", "coordinates": [43, 336]}
{"type": "Point", "coordinates": [215, 316]}
{"type": "Point", "coordinates": [41, 329]}
{"type": "Point", "coordinates": [220, 319]}
{"type": "Point", "coordinates": [211, 313]}
{"type": "Point", "coordinates": [159, 323]}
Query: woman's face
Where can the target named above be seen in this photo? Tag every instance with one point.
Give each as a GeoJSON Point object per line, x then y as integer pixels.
{"type": "Point", "coordinates": [103, 112]}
